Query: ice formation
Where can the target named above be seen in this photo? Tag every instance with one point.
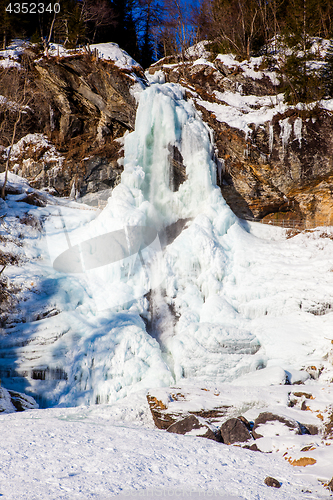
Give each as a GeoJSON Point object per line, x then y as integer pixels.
{"type": "Point", "coordinates": [185, 276]}
{"type": "Point", "coordinates": [133, 308]}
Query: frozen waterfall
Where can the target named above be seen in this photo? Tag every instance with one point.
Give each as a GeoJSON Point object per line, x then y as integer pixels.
{"type": "Point", "coordinates": [136, 312]}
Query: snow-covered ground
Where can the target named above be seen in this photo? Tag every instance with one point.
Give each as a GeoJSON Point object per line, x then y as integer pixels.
{"type": "Point", "coordinates": [107, 310]}
{"type": "Point", "coordinates": [88, 453]}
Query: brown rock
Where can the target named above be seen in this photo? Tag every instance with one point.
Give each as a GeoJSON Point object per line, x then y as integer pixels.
{"type": "Point", "coordinates": [253, 447]}
{"type": "Point", "coordinates": [265, 417]}
{"type": "Point", "coordinates": [312, 429]}
{"type": "Point", "coordinates": [270, 481]}
{"type": "Point", "coordinates": [234, 431]}
{"type": "Point", "coordinates": [302, 462]}
{"type": "Point", "coordinates": [190, 423]}
{"type": "Point", "coordinates": [161, 418]}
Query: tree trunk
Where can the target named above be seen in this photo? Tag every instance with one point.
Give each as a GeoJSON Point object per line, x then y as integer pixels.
{"type": "Point", "coordinates": [3, 189]}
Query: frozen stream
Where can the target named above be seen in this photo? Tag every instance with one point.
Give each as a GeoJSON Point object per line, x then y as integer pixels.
{"type": "Point", "coordinates": [215, 304]}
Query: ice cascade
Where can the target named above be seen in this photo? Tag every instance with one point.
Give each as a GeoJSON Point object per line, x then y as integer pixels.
{"type": "Point", "coordinates": [99, 348]}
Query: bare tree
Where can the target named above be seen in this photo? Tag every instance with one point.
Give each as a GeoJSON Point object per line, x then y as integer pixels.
{"type": "Point", "coordinates": [98, 14]}
{"type": "Point", "coordinates": [177, 31]}
{"type": "Point", "coordinates": [23, 107]}
{"type": "Point", "coordinates": [18, 107]}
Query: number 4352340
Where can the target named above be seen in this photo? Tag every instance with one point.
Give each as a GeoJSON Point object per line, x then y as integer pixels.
{"type": "Point", "coordinates": [32, 8]}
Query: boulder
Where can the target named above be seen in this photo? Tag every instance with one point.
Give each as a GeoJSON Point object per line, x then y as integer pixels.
{"type": "Point", "coordinates": [192, 425]}
{"type": "Point", "coordinates": [270, 481]}
{"type": "Point", "coordinates": [12, 401]}
{"type": "Point", "coordinates": [267, 417]}
{"type": "Point", "coordinates": [234, 430]}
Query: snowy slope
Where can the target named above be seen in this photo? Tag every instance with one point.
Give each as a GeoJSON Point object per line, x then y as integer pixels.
{"type": "Point", "coordinates": [83, 454]}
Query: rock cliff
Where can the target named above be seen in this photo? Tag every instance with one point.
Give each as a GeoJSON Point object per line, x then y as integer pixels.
{"type": "Point", "coordinates": [274, 160]}
{"type": "Point", "coordinates": [91, 103]}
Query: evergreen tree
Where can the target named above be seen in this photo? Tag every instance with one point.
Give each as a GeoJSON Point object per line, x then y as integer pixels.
{"type": "Point", "coordinates": [148, 17]}
{"type": "Point", "coordinates": [301, 22]}
{"type": "Point", "coordinates": [124, 31]}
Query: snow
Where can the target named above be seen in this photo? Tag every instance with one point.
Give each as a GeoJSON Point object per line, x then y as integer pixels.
{"type": "Point", "coordinates": [236, 309]}
{"type": "Point", "coordinates": [8, 63]}
{"type": "Point", "coordinates": [112, 52]}
{"type": "Point", "coordinates": [9, 57]}
{"type": "Point", "coordinates": [84, 453]}
{"type": "Point", "coordinates": [241, 111]}
{"type": "Point", "coordinates": [107, 51]}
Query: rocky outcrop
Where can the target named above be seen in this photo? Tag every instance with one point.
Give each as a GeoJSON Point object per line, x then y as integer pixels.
{"type": "Point", "coordinates": [168, 406]}
{"type": "Point", "coordinates": [91, 96]}
{"type": "Point", "coordinates": [12, 401]}
{"type": "Point", "coordinates": [89, 103]}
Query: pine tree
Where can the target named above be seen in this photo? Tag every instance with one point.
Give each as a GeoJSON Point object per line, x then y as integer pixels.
{"type": "Point", "coordinates": [124, 32]}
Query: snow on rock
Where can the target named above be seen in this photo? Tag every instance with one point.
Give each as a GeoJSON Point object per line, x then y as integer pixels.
{"type": "Point", "coordinates": [15, 182]}
{"type": "Point", "coordinates": [11, 401]}
{"type": "Point", "coordinates": [33, 143]}
{"type": "Point", "coordinates": [108, 51]}
{"type": "Point", "coordinates": [199, 50]}
{"type": "Point", "coordinates": [112, 52]}
{"type": "Point", "coordinates": [240, 111]}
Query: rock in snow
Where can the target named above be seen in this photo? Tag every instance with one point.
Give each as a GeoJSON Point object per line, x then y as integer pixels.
{"type": "Point", "coordinates": [235, 431]}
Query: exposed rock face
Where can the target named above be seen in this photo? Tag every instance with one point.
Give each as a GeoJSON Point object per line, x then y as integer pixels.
{"type": "Point", "coordinates": [90, 95]}
{"type": "Point", "coordinates": [90, 104]}
{"type": "Point", "coordinates": [234, 430]}
{"type": "Point", "coordinates": [12, 401]}
{"type": "Point", "coordinates": [281, 165]}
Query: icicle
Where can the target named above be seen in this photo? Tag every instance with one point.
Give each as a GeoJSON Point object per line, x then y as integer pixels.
{"type": "Point", "coordinates": [73, 191]}
{"type": "Point", "coordinates": [286, 129]}
{"type": "Point", "coordinates": [271, 137]}
{"type": "Point", "coordinates": [298, 130]}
